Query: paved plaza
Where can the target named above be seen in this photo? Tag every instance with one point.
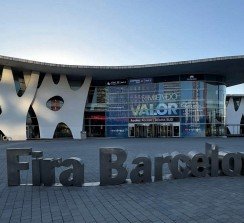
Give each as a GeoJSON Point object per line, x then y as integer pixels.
{"type": "Point", "coordinates": [209, 199]}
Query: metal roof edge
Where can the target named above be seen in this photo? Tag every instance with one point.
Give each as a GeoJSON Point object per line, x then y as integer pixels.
{"type": "Point", "coordinates": [125, 66]}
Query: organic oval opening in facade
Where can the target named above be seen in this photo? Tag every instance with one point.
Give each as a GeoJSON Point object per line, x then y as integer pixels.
{"type": "Point", "coordinates": [32, 125]}
{"type": "Point", "coordinates": [55, 103]}
{"type": "Point", "coordinates": [62, 131]}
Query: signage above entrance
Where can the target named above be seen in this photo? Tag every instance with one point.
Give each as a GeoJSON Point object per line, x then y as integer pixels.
{"type": "Point", "coordinates": [116, 82]}
{"type": "Point", "coordinates": [140, 81]}
{"type": "Point", "coordinates": [155, 119]}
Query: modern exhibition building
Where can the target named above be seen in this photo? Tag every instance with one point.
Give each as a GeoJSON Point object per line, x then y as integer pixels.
{"type": "Point", "coordinates": [178, 99]}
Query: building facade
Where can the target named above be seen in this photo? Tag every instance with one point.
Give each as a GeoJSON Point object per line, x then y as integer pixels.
{"type": "Point", "coordinates": [182, 99]}
{"type": "Point", "coordinates": [184, 106]}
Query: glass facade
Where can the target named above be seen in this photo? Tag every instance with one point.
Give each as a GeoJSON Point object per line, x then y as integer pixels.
{"type": "Point", "coordinates": [187, 107]}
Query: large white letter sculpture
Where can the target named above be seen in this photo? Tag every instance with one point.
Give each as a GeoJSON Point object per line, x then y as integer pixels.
{"type": "Point", "coordinates": [15, 108]}
{"type": "Point", "coordinates": [72, 111]}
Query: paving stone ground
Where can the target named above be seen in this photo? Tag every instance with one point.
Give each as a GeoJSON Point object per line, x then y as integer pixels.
{"type": "Point", "coordinates": [210, 199]}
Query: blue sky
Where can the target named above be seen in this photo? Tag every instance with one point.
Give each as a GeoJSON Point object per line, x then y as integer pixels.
{"type": "Point", "coordinates": [122, 32]}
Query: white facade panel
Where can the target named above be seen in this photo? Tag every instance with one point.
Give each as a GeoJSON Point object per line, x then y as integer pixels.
{"type": "Point", "coordinates": [233, 117]}
{"type": "Point", "coordinates": [15, 108]}
{"type": "Point", "coordinates": [72, 111]}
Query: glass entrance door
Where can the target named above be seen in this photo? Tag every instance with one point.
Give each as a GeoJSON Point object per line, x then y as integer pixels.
{"type": "Point", "coordinates": [170, 130]}
{"type": "Point", "coordinates": [154, 130]}
{"type": "Point", "coordinates": [141, 131]}
{"type": "Point", "coordinates": [131, 131]}
{"type": "Point", "coordinates": [163, 131]}
{"type": "Point", "coordinates": [176, 129]}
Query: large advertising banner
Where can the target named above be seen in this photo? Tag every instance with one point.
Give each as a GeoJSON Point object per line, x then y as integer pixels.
{"type": "Point", "coordinates": [192, 112]}
{"type": "Point", "coordinates": [154, 100]}
{"type": "Point", "coordinates": [192, 109]}
{"type": "Point", "coordinates": [117, 131]}
{"type": "Point", "coordinates": [193, 130]}
{"type": "Point", "coordinates": [140, 100]}
{"type": "Point", "coordinates": [117, 110]}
